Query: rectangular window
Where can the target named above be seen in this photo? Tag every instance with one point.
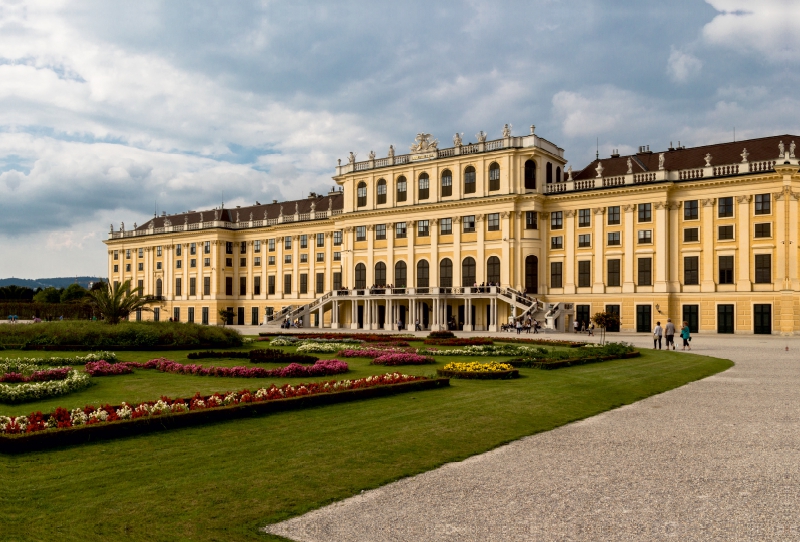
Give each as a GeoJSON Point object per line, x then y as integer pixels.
{"type": "Point", "coordinates": [446, 226]}
{"type": "Point", "coordinates": [206, 285]}
{"type": "Point", "coordinates": [271, 285]}
{"type": "Point", "coordinates": [645, 237]}
{"type": "Point", "coordinates": [193, 263]}
{"type": "Point", "coordinates": [304, 241]}
{"type": "Point", "coordinates": [645, 271]}
{"type": "Point", "coordinates": [763, 204]}
{"type": "Point", "coordinates": [557, 242]}
{"type": "Point", "coordinates": [190, 317]}
{"type": "Point", "coordinates": [128, 254]}
{"type": "Point", "coordinates": [725, 207]}
{"type": "Point", "coordinates": [116, 254]}
{"type": "Point", "coordinates": [192, 286]}
{"type": "Point", "coordinates": [287, 258]}
{"type": "Point", "coordinates": [584, 240]}
{"type": "Point", "coordinates": [613, 239]}
{"type": "Point", "coordinates": [192, 249]}
{"type": "Point", "coordinates": [141, 253]}
{"type": "Point", "coordinates": [157, 314]}
{"type": "Point", "coordinates": [644, 318]}
{"type": "Point", "coordinates": [287, 283]}
{"type": "Point", "coordinates": [381, 192]}
{"type": "Point", "coordinates": [469, 224]}
{"type": "Point", "coordinates": [303, 283]}
{"type": "Point", "coordinates": [141, 267]}
{"type": "Point", "coordinates": [691, 270]}
{"type": "Point", "coordinates": [763, 269]}
{"type": "Point", "coordinates": [763, 230]}
{"type": "Point", "coordinates": [361, 233]}
{"type": "Point", "coordinates": [531, 220]}
{"type": "Point", "coordinates": [469, 181]}
{"type": "Point", "coordinates": [242, 285]}
{"type": "Point", "coordinates": [645, 211]}
{"type": "Point", "coordinates": [555, 274]}
{"type": "Point", "coordinates": [228, 285]}
{"type": "Point", "coordinates": [116, 268]}
{"type": "Point", "coordinates": [320, 240]}
{"type": "Point", "coordinates": [726, 269]}
{"type": "Point", "coordinates": [556, 220]}
{"type": "Point", "coordinates": [271, 245]}
{"type": "Point", "coordinates": [380, 232]}
{"type": "Point", "coordinates": [725, 318]}
{"type": "Point", "coordinates": [493, 221]}
{"type": "Point", "coordinates": [400, 230]}
{"type": "Point", "coordinates": [304, 258]}
{"type": "Point", "coordinates": [320, 256]}
{"type": "Point", "coordinates": [691, 210]}
{"type": "Point", "coordinates": [205, 316]}
{"type": "Point", "coordinates": [613, 215]}
{"type": "Point", "coordinates": [725, 233]}
{"type": "Point", "coordinates": [256, 246]}
{"type": "Point", "coordinates": [337, 256]}
{"type": "Point", "coordinates": [178, 264]}
{"type": "Point", "coordinates": [243, 247]}
{"type": "Point", "coordinates": [271, 260]}
{"type": "Point", "coordinates": [228, 247]}
{"type": "Point", "coordinates": [242, 262]}
{"type": "Point", "coordinates": [320, 283]}
{"type": "Point", "coordinates": [690, 235]}
{"type": "Point", "coordinates": [128, 267]}
{"type": "Point", "coordinates": [584, 218]}
{"type": "Point", "coordinates": [614, 278]}
{"type": "Point", "coordinates": [287, 242]}
{"type": "Point", "coordinates": [584, 273]}
{"type": "Point", "coordinates": [256, 285]}
{"type": "Point", "coordinates": [423, 228]}
{"type": "Point", "coordinates": [178, 250]}
{"type": "Point", "coordinates": [178, 286]}
{"type": "Point", "coordinates": [337, 238]}
{"type": "Point", "coordinates": [337, 281]}
{"type": "Point", "coordinates": [691, 315]}
{"type": "Point", "coordinates": [257, 261]}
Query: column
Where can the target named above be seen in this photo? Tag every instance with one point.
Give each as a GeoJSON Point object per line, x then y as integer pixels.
{"type": "Point", "coordinates": [456, 249]}
{"type": "Point", "coordinates": [411, 270]}
{"type": "Point", "coordinates": [321, 314]}
{"type": "Point", "coordinates": [370, 257]}
{"type": "Point", "coordinates": [480, 265]}
{"type": "Point", "coordinates": [544, 263]}
{"type": "Point", "coordinates": [793, 240]}
{"type": "Point", "coordinates": [519, 261]}
{"type": "Point", "coordinates": [434, 259]}
{"type": "Point", "coordinates": [295, 266]}
{"type": "Point", "coordinates": [250, 269]}
{"type": "Point", "coordinates": [312, 265]}
{"type": "Point", "coordinates": [743, 282]}
{"type": "Point", "coordinates": [707, 283]}
{"type": "Point", "coordinates": [329, 260]}
{"type": "Point", "coordinates": [467, 314]}
{"type": "Point", "coordinates": [279, 265]}
{"type": "Point", "coordinates": [354, 314]}
{"type": "Point", "coordinates": [390, 254]}
{"type": "Point", "coordinates": [673, 279]}
{"type": "Point", "coordinates": [507, 244]}
{"type": "Point", "coordinates": [598, 243]}
{"type": "Point", "coordinates": [214, 274]}
{"type": "Point", "coordinates": [662, 254]}
{"type": "Point", "coordinates": [569, 250]}
{"type": "Point", "coordinates": [629, 243]}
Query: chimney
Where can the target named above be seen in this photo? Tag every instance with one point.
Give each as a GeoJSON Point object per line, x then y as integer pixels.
{"type": "Point", "coordinates": [274, 201]}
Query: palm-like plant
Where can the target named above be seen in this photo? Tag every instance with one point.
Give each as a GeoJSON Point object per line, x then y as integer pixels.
{"type": "Point", "coordinates": [117, 301]}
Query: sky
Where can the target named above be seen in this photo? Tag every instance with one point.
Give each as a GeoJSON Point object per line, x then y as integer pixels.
{"type": "Point", "coordinates": [111, 110]}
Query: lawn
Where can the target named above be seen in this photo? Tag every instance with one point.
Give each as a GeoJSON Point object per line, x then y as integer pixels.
{"type": "Point", "coordinates": [224, 481]}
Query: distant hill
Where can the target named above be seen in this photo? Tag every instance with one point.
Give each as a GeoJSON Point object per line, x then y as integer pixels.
{"type": "Point", "coordinates": [56, 282]}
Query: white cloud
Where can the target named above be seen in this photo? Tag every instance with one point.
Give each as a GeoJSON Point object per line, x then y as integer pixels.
{"type": "Point", "coordinates": [600, 110]}
{"type": "Point", "coordinates": [682, 66]}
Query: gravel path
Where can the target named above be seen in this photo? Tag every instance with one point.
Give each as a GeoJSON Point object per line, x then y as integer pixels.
{"type": "Point", "coordinates": [714, 460]}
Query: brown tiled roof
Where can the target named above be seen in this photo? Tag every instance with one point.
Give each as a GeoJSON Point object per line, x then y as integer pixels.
{"type": "Point", "coordinates": [765, 148]}
{"type": "Point", "coordinates": [330, 202]}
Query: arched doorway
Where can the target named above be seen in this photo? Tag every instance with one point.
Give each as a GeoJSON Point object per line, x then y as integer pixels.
{"type": "Point", "coordinates": [361, 276]}
{"type": "Point", "coordinates": [531, 275]}
{"type": "Point", "coordinates": [530, 175]}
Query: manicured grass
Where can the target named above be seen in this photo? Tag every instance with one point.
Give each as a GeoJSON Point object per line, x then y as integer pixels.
{"type": "Point", "coordinates": [224, 481]}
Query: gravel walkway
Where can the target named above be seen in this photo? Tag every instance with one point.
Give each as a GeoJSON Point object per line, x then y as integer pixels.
{"type": "Point", "coordinates": [714, 460]}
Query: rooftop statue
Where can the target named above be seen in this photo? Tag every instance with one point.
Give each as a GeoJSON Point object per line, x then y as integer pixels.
{"type": "Point", "coordinates": [423, 143]}
{"type": "Point", "coordinates": [457, 140]}
{"type": "Point", "coordinates": [481, 137]}
{"type": "Point", "coordinates": [391, 151]}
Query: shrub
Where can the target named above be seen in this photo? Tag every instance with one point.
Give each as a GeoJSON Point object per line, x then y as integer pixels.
{"type": "Point", "coordinates": [461, 341]}
{"type": "Point", "coordinates": [273, 355]}
{"type": "Point", "coordinates": [441, 335]}
{"type": "Point", "coordinates": [226, 355]}
{"type": "Point", "coordinates": [126, 335]}
{"type": "Point", "coordinates": [320, 368]}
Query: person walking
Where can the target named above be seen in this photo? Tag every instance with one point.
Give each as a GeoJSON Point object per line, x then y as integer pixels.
{"type": "Point", "coordinates": [575, 326]}
{"type": "Point", "coordinates": [669, 333]}
{"type": "Point", "coordinates": [686, 336]}
{"type": "Point", "coordinates": [416, 325]}
{"type": "Point", "coordinates": [535, 326]}
{"type": "Point", "coordinates": [519, 327]}
{"type": "Point", "coordinates": [591, 329]}
{"type": "Point", "coordinates": [658, 332]}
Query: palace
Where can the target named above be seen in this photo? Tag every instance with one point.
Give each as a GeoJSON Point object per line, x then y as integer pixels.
{"type": "Point", "coordinates": [474, 235]}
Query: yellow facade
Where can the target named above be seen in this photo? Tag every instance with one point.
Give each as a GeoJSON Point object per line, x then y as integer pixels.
{"type": "Point", "coordinates": [689, 238]}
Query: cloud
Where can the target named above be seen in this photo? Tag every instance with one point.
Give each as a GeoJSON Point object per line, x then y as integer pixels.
{"type": "Point", "coordinates": [599, 110]}
{"type": "Point", "coordinates": [683, 66]}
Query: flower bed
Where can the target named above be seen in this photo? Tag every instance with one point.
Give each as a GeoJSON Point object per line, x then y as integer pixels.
{"type": "Point", "coordinates": [484, 350]}
{"type": "Point", "coordinates": [585, 356]}
{"type": "Point", "coordinates": [322, 348]}
{"type": "Point", "coordinates": [46, 375]}
{"type": "Point", "coordinates": [372, 353]}
{"type": "Point", "coordinates": [274, 355]}
{"type": "Point", "coordinates": [402, 359]}
{"type": "Point", "coordinates": [62, 427]}
{"type": "Point", "coordinates": [35, 391]}
{"type": "Point", "coordinates": [441, 335]}
{"type": "Point", "coordinates": [481, 371]}
{"type": "Point", "coordinates": [543, 342]}
{"type": "Point", "coordinates": [59, 361]}
{"type": "Point", "coordinates": [322, 367]}
{"type": "Point", "coordinates": [103, 368]}
{"type": "Point", "coordinates": [358, 337]}
{"type": "Point", "coordinates": [461, 341]}
{"type": "Point", "coordinates": [212, 354]}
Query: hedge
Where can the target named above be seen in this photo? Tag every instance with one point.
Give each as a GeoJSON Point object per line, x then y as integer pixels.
{"type": "Point", "coordinates": [26, 442]}
{"type": "Point", "coordinates": [479, 375]}
{"type": "Point", "coordinates": [560, 363]}
{"type": "Point", "coordinates": [273, 355]}
{"type": "Point", "coordinates": [211, 354]}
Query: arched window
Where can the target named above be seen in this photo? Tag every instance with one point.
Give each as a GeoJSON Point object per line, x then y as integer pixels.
{"type": "Point", "coordinates": [559, 178]}
{"type": "Point", "coordinates": [549, 173]}
{"type": "Point", "coordinates": [493, 270]}
{"type": "Point", "coordinates": [159, 289]}
{"type": "Point", "coordinates": [400, 274]}
{"type": "Point", "coordinates": [447, 183]}
{"type": "Point", "coordinates": [530, 175]}
{"type": "Point", "coordinates": [361, 193]}
{"type": "Point", "coordinates": [424, 186]}
{"type": "Point", "coordinates": [423, 274]}
{"type": "Point", "coordinates": [469, 180]}
{"type": "Point", "coordinates": [381, 191]}
{"type": "Point", "coordinates": [494, 176]}
{"type": "Point", "coordinates": [380, 274]}
{"type": "Point", "coordinates": [446, 273]}
{"type": "Point", "coordinates": [361, 276]}
{"type": "Point", "coordinates": [468, 272]}
{"type": "Point", "coordinates": [402, 188]}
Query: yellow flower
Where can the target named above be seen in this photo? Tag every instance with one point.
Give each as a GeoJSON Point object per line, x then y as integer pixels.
{"type": "Point", "coordinates": [475, 367]}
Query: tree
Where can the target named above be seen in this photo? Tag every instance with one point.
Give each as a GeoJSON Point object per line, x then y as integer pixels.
{"type": "Point", "coordinates": [605, 320]}
{"type": "Point", "coordinates": [226, 315]}
{"type": "Point", "coordinates": [12, 292]}
{"type": "Point", "coordinates": [73, 292]}
{"type": "Point", "coordinates": [116, 302]}
{"type": "Point", "coordinates": [48, 295]}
